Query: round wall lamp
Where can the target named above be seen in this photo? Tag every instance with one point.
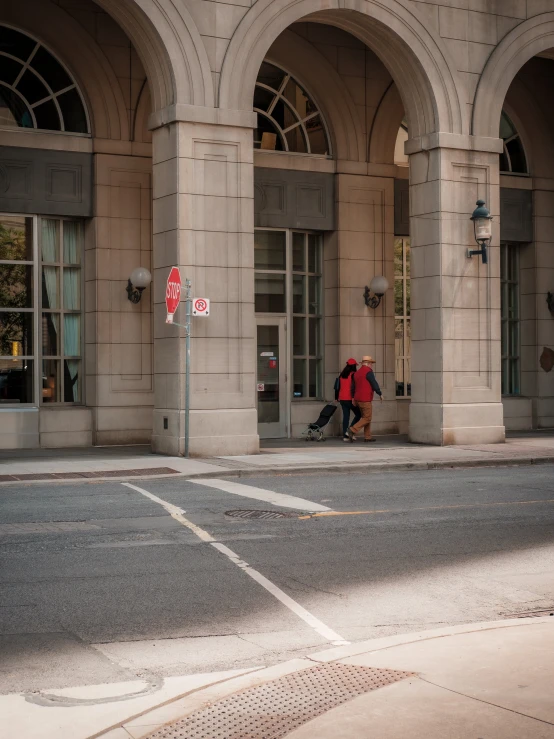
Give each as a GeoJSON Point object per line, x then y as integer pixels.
{"type": "Point", "coordinates": [378, 286]}
{"type": "Point", "coordinates": [138, 281]}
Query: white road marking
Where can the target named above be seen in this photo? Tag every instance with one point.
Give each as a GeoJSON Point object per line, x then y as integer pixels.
{"type": "Point", "coordinates": [174, 512]}
{"type": "Point", "coordinates": [268, 496]}
{"type": "Point", "coordinates": [280, 595]}
{"type": "Point", "coordinates": [286, 600]}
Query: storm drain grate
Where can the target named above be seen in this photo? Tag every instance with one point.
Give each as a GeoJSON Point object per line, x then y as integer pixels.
{"type": "Point", "coordinates": [267, 515]}
{"type": "Point", "coordinates": [278, 707]}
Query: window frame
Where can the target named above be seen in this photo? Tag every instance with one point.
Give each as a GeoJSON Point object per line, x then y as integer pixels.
{"type": "Point", "coordinates": [34, 310]}
{"type": "Point", "coordinates": [405, 318]}
{"type": "Point", "coordinates": [300, 121]}
{"type": "Point", "coordinates": [516, 136]}
{"type": "Point", "coordinates": [37, 311]}
{"type": "Point", "coordinates": [52, 96]}
{"type": "Point", "coordinates": [290, 315]}
{"type": "Point", "coordinates": [510, 327]}
{"type": "Point", "coordinates": [62, 311]}
{"type": "Point", "coordinates": [318, 357]}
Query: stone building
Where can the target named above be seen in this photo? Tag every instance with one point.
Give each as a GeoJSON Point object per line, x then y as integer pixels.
{"type": "Point", "coordinates": [282, 154]}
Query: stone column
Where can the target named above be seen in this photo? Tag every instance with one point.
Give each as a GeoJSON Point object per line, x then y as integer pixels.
{"type": "Point", "coordinates": [204, 223]}
{"type": "Point", "coordinates": [362, 247]}
{"type": "Point", "coordinates": [456, 388]}
{"type": "Point", "coordinates": [534, 306]}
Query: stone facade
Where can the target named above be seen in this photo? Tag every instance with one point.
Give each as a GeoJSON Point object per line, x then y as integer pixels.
{"type": "Point", "coordinates": [169, 88]}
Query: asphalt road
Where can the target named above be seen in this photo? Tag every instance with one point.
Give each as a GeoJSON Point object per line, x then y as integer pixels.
{"type": "Point", "coordinates": [119, 588]}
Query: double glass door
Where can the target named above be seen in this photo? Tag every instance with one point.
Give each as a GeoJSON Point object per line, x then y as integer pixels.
{"type": "Point", "coordinates": [271, 377]}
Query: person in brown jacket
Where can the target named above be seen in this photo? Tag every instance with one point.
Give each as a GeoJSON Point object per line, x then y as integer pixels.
{"type": "Point", "coordinates": [365, 387]}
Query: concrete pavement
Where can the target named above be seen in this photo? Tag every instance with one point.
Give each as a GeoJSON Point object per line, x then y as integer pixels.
{"type": "Point", "coordinates": [491, 680]}
{"type": "Point", "coordinates": [276, 456]}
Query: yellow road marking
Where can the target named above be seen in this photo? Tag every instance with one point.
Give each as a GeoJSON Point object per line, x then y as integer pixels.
{"type": "Point", "coordinates": [430, 508]}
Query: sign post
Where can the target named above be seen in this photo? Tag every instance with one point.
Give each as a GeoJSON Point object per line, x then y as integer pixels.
{"type": "Point", "coordinates": [172, 299]}
{"type": "Point", "coordinates": [188, 302]}
{"type": "Point", "coordinates": [201, 307]}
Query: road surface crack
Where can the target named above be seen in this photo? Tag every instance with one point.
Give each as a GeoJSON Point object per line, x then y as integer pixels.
{"type": "Point", "coordinates": [305, 587]}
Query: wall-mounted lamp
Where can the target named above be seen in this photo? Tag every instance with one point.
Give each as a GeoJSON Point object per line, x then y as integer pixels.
{"type": "Point", "coordinates": [550, 303]}
{"type": "Point", "coordinates": [378, 286]}
{"type": "Point", "coordinates": [139, 280]}
{"type": "Point", "coordinates": [482, 224]}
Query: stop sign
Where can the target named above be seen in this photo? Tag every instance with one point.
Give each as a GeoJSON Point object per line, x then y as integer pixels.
{"type": "Point", "coordinates": [173, 291]}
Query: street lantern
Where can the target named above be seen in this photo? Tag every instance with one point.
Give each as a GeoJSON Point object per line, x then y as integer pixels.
{"type": "Point", "coordinates": [482, 224]}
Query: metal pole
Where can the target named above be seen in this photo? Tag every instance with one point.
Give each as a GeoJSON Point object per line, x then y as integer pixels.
{"type": "Point", "coordinates": [188, 305]}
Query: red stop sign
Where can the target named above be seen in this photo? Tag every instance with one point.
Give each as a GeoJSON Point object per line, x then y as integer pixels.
{"type": "Point", "coordinates": [173, 290]}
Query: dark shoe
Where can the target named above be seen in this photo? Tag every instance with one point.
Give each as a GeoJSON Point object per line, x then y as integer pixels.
{"type": "Point", "coordinates": [368, 441]}
{"type": "Point", "coordinates": [351, 435]}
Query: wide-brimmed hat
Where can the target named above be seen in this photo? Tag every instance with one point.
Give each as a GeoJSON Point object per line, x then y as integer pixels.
{"type": "Point", "coordinates": [370, 360]}
{"type": "Point", "coordinates": [351, 361]}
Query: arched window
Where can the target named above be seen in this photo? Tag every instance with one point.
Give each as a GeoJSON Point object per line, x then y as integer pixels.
{"type": "Point", "coordinates": [399, 157]}
{"type": "Point", "coordinates": [288, 118]}
{"type": "Point", "coordinates": [513, 159]}
{"type": "Point", "coordinates": [36, 91]}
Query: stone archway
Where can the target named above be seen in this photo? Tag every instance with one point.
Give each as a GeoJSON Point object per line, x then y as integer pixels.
{"type": "Point", "coordinates": [170, 47]}
{"type": "Point", "coordinates": [417, 60]}
{"type": "Point", "coordinates": [528, 39]}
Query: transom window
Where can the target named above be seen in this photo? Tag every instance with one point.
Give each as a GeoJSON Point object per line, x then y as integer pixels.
{"type": "Point", "coordinates": [288, 118]}
{"type": "Point", "coordinates": [510, 318]}
{"type": "Point", "coordinates": [288, 280]}
{"type": "Point", "coordinates": [36, 91]}
{"type": "Point", "coordinates": [402, 322]}
{"type": "Point", "coordinates": [40, 310]}
{"type": "Point", "coordinates": [513, 159]}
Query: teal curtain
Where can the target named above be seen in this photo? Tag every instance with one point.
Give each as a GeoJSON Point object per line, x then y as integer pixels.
{"type": "Point", "coordinates": [72, 242]}
{"type": "Point", "coordinates": [72, 301]}
{"type": "Point", "coordinates": [49, 250]}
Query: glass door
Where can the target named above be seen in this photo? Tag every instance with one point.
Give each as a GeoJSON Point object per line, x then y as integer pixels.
{"type": "Point", "coordinates": [271, 377]}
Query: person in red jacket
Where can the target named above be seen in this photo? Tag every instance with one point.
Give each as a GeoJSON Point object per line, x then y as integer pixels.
{"type": "Point", "coordinates": [365, 386]}
{"type": "Point", "coordinates": [344, 394]}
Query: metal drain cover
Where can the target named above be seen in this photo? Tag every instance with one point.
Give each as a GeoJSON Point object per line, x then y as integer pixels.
{"type": "Point", "coordinates": [276, 708]}
{"type": "Point", "coordinates": [266, 515]}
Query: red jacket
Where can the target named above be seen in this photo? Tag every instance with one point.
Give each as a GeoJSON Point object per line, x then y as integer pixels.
{"type": "Point", "coordinates": [345, 388]}
{"type": "Point", "coordinates": [363, 386]}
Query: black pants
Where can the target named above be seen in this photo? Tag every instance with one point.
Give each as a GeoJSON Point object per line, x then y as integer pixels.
{"type": "Point", "coordinates": [346, 408]}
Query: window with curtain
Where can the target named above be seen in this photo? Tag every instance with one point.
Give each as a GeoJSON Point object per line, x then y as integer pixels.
{"type": "Point", "coordinates": [61, 250]}
{"type": "Point", "coordinates": [40, 310]}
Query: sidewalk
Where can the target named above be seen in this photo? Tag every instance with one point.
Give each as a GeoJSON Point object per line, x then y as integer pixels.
{"type": "Point", "coordinates": [476, 681]}
{"type": "Point", "coordinates": [277, 456]}
{"type": "Point", "coordinates": [492, 680]}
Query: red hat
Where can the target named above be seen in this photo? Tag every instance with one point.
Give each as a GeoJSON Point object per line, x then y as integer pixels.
{"type": "Point", "coordinates": [351, 361]}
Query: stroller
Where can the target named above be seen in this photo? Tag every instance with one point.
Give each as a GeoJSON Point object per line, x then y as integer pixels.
{"type": "Point", "coordinates": [314, 431]}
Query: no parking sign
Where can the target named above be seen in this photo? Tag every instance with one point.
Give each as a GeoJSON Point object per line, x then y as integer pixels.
{"type": "Point", "coordinates": [200, 307]}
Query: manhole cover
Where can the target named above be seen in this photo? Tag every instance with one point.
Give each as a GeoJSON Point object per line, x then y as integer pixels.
{"type": "Point", "coordinates": [276, 708]}
{"type": "Point", "coordinates": [267, 515]}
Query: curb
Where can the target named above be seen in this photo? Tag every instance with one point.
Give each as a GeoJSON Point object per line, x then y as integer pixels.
{"type": "Point", "coordinates": [345, 467]}
{"type": "Point", "coordinates": [144, 724]}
